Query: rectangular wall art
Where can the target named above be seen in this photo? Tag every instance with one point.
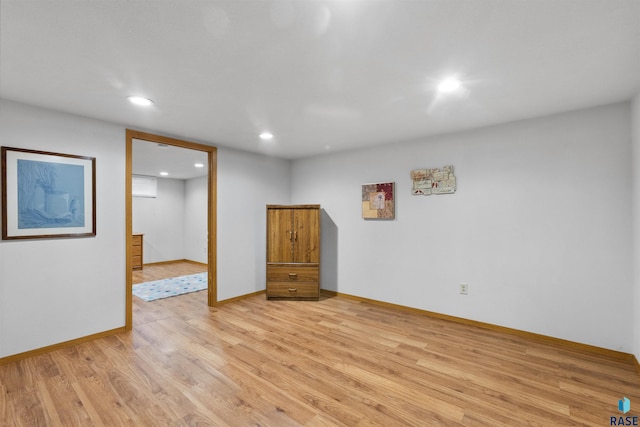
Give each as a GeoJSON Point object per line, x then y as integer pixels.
{"type": "Point", "coordinates": [378, 201]}
{"type": "Point", "coordinates": [433, 181]}
{"type": "Point", "coordinates": [47, 195]}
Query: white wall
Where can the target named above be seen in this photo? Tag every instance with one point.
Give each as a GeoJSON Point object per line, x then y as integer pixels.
{"type": "Point", "coordinates": [539, 227]}
{"type": "Point", "coordinates": [195, 225]}
{"type": "Point", "coordinates": [77, 288]}
{"type": "Point", "coordinates": [162, 220]}
{"type": "Point", "coordinates": [635, 117]}
{"type": "Point", "coordinates": [246, 184]}
{"type": "Point", "coordinates": [55, 290]}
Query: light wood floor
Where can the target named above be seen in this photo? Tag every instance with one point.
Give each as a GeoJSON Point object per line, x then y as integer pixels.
{"type": "Point", "coordinates": [335, 362]}
{"type": "Point", "coordinates": [152, 272]}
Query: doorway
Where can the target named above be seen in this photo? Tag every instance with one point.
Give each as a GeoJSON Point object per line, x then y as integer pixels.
{"type": "Point", "coordinates": [211, 152]}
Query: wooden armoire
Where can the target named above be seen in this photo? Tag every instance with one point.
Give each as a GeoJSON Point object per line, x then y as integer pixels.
{"type": "Point", "coordinates": [293, 251]}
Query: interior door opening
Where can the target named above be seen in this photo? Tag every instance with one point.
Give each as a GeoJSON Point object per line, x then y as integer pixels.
{"type": "Point", "coordinates": [135, 137]}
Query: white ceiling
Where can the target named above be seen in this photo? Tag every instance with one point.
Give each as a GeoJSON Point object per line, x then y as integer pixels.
{"type": "Point", "coordinates": [321, 75]}
{"type": "Point", "coordinates": [149, 158]}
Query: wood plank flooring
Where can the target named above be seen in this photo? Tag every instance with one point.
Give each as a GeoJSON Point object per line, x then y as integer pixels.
{"type": "Point", "coordinates": [159, 271]}
{"type": "Point", "coordinates": [334, 362]}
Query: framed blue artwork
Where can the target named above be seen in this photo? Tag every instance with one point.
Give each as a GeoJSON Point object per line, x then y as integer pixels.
{"type": "Point", "coordinates": [47, 195]}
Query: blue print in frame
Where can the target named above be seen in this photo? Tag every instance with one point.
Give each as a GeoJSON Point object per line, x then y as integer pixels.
{"type": "Point", "coordinates": [50, 195]}
{"type": "Point", "coordinates": [47, 194]}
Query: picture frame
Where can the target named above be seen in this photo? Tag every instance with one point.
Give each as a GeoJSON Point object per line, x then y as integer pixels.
{"type": "Point", "coordinates": [47, 195]}
{"type": "Point", "coordinates": [378, 201]}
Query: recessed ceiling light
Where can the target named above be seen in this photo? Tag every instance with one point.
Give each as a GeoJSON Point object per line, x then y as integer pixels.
{"type": "Point", "coordinates": [449, 85]}
{"type": "Point", "coordinates": [139, 100]}
{"type": "Point", "coordinates": [164, 173]}
{"type": "Point", "coordinates": [199, 165]}
{"type": "Point", "coordinates": [266, 136]}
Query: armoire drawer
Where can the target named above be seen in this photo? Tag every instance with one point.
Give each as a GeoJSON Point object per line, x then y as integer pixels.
{"type": "Point", "coordinates": [292, 290]}
{"type": "Point", "coordinates": [278, 273]}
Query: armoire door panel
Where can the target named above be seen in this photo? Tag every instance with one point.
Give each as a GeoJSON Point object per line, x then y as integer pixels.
{"type": "Point", "coordinates": [280, 235]}
{"type": "Point", "coordinates": [306, 247]}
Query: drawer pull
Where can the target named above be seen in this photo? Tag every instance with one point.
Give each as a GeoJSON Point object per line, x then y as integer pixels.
{"type": "Point", "coordinates": [293, 276]}
{"type": "Point", "coordinates": [293, 289]}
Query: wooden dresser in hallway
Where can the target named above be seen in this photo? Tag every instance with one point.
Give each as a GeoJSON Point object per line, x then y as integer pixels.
{"type": "Point", "coordinates": [136, 251]}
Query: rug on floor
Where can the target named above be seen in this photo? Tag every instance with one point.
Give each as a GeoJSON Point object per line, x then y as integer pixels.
{"type": "Point", "coordinates": [158, 289]}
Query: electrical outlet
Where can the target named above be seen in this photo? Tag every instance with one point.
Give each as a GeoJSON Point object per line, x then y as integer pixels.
{"type": "Point", "coordinates": [464, 288]}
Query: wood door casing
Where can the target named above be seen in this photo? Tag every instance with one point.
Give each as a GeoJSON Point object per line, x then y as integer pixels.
{"type": "Point", "coordinates": [212, 291]}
